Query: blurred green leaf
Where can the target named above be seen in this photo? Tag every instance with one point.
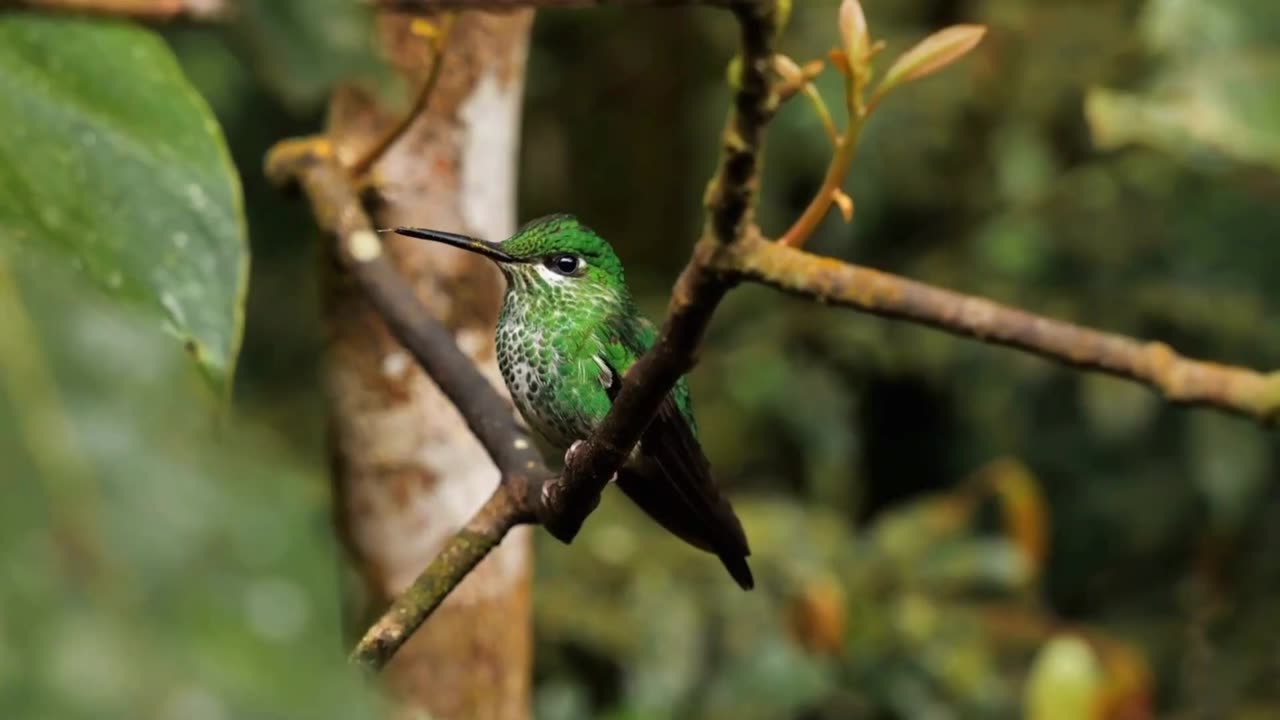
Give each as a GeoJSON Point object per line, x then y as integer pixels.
{"type": "Point", "coordinates": [1065, 682]}
{"type": "Point", "coordinates": [111, 163]}
{"type": "Point", "coordinates": [1228, 105]}
{"type": "Point", "coordinates": [1116, 409]}
{"type": "Point", "coordinates": [1187, 26]}
{"type": "Point", "coordinates": [1218, 90]}
{"type": "Point", "coordinates": [302, 48]}
{"type": "Point", "coordinates": [153, 567]}
{"type": "Point", "coordinates": [1229, 468]}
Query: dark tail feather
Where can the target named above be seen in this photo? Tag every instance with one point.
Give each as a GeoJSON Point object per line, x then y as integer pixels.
{"type": "Point", "coordinates": [738, 568]}
{"type": "Point", "coordinates": [718, 532]}
{"type": "Point", "coordinates": [672, 483]}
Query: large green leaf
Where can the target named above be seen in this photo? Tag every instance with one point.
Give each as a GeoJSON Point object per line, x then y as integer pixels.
{"type": "Point", "coordinates": [111, 163]}
{"type": "Point", "coordinates": [153, 568]}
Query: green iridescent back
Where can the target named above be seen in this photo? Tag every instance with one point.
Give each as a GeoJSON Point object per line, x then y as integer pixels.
{"type": "Point", "coordinates": [558, 338]}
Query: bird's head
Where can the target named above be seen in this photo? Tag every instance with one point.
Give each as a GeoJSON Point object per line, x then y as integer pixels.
{"type": "Point", "coordinates": [554, 255]}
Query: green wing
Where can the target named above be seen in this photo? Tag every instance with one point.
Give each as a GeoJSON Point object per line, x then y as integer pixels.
{"type": "Point", "coordinates": [671, 480]}
{"type": "Point", "coordinates": [632, 337]}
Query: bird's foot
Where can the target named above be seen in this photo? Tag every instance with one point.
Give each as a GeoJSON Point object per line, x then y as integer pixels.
{"type": "Point", "coordinates": [573, 450]}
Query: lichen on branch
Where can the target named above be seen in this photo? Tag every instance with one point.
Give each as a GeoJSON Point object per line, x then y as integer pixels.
{"type": "Point", "coordinates": [1236, 390]}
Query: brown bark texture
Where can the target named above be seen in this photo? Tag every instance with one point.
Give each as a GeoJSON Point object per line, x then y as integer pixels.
{"type": "Point", "coordinates": [407, 472]}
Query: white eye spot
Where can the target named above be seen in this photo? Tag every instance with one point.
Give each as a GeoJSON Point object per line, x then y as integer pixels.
{"type": "Point", "coordinates": [551, 276]}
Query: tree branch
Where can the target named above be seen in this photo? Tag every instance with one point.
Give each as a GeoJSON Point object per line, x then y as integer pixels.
{"type": "Point", "coordinates": [697, 291]}
{"type": "Point", "coordinates": [365, 163]}
{"type": "Point", "coordinates": [500, 513]}
{"type": "Point", "coordinates": [1233, 389]}
{"type": "Point", "coordinates": [149, 10]}
{"type": "Point", "coordinates": [523, 496]}
{"type": "Point", "coordinates": [422, 6]}
{"type": "Point", "coordinates": [310, 163]}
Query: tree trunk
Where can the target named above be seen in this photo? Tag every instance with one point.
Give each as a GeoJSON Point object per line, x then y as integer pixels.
{"type": "Point", "coordinates": [406, 471]}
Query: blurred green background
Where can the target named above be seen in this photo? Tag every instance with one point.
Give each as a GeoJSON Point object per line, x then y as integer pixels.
{"type": "Point", "coordinates": [941, 529]}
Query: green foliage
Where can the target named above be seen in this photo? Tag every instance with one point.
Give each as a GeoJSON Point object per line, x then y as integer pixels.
{"type": "Point", "coordinates": [156, 566]}
{"type": "Point", "coordinates": [1215, 88]}
{"type": "Point", "coordinates": [1064, 681]}
{"type": "Point", "coordinates": [111, 163]}
{"type": "Point", "coordinates": [159, 563]}
{"type": "Point", "coordinates": [845, 621]}
{"type": "Point", "coordinates": [303, 48]}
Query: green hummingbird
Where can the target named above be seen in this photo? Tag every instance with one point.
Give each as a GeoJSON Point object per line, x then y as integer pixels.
{"type": "Point", "coordinates": [567, 334]}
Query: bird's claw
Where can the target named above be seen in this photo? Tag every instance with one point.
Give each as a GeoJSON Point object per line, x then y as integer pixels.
{"type": "Point", "coordinates": [573, 450]}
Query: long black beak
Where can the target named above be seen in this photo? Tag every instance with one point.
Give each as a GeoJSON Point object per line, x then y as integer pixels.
{"type": "Point", "coordinates": [493, 251]}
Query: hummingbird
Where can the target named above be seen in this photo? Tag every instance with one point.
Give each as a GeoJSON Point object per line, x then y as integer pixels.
{"type": "Point", "coordinates": [566, 336]}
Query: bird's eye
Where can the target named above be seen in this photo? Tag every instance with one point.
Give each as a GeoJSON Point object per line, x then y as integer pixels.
{"type": "Point", "coordinates": [564, 264]}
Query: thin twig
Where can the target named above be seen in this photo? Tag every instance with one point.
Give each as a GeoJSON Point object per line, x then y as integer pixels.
{"type": "Point", "coordinates": [796, 79]}
{"type": "Point", "coordinates": [361, 167]}
{"type": "Point", "coordinates": [846, 148]}
{"type": "Point", "coordinates": [447, 570]}
{"type": "Point", "coordinates": [422, 6]}
{"type": "Point", "coordinates": [148, 10]}
{"type": "Point", "coordinates": [1233, 389]}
